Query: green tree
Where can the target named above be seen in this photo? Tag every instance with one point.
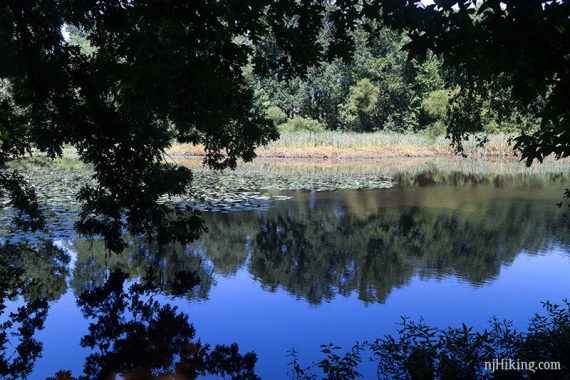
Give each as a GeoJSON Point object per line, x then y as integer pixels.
{"type": "Point", "coordinates": [520, 46]}
{"type": "Point", "coordinates": [357, 112]}
{"type": "Point", "coordinates": [301, 124]}
{"type": "Point", "coordinates": [435, 108]}
{"type": "Point", "coordinates": [276, 115]}
{"type": "Point", "coordinates": [436, 105]}
{"type": "Point", "coordinates": [150, 72]}
{"type": "Point", "coordinates": [323, 93]}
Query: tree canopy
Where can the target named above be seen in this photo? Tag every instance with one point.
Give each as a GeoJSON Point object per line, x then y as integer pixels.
{"type": "Point", "coordinates": [147, 73]}
{"type": "Point", "coordinates": [155, 71]}
{"type": "Point", "coordinates": [522, 46]}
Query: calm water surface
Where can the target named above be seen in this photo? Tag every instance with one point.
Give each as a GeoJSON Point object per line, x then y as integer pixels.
{"type": "Point", "coordinates": [337, 267]}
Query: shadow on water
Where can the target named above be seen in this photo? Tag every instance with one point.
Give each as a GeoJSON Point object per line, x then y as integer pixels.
{"type": "Point", "coordinates": [316, 247]}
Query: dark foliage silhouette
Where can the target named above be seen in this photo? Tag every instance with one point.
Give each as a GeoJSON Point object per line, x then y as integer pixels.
{"type": "Point", "coordinates": [134, 336]}
{"type": "Point", "coordinates": [420, 351]}
{"type": "Point", "coordinates": [37, 276]}
{"type": "Point", "coordinates": [519, 46]}
{"type": "Point", "coordinates": [153, 72]}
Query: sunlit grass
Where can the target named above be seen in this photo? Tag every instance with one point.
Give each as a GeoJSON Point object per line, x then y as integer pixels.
{"type": "Point", "coordinates": [334, 144]}
{"type": "Point", "coordinates": [349, 139]}
{"type": "Point", "coordinates": [388, 167]}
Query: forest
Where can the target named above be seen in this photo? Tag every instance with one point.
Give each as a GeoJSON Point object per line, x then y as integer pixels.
{"type": "Point", "coordinates": [380, 89]}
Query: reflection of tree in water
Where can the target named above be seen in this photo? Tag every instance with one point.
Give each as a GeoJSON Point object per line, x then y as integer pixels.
{"type": "Point", "coordinates": [316, 255]}
{"type": "Point", "coordinates": [226, 241]}
{"type": "Point", "coordinates": [364, 244]}
{"type": "Point", "coordinates": [131, 334]}
{"type": "Point", "coordinates": [134, 336]}
{"type": "Point", "coordinates": [314, 250]}
{"type": "Point", "coordinates": [434, 175]}
{"type": "Point", "coordinates": [30, 277]}
{"type": "Point", "coordinates": [169, 269]}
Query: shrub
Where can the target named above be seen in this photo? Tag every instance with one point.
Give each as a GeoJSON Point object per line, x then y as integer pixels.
{"type": "Point", "coordinates": [356, 113]}
{"type": "Point", "coordinates": [301, 124]}
{"type": "Point", "coordinates": [420, 351]}
{"type": "Point", "coordinates": [435, 129]}
{"type": "Point", "coordinates": [435, 105]}
{"type": "Point", "coordinates": [276, 115]}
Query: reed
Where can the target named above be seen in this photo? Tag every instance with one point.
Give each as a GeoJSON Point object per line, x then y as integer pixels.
{"type": "Point", "coordinates": [352, 145]}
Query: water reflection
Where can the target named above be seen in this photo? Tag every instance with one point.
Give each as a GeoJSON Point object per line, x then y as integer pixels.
{"type": "Point", "coordinates": [172, 269]}
{"type": "Point", "coordinates": [316, 254]}
{"type": "Point", "coordinates": [316, 247]}
{"type": "Point", "coordinates": [29, 279]}
{"type": "Point", "coordinates": [133, 335]}
{"type": "Point", "coordinates": [130, 333]}
{"type": "Point", "coordinates": [353, 242]}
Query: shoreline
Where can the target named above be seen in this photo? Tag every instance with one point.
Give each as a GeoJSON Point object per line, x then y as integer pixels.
{"type": "Point", "coordinates": [351, 145]}
{"type": "Point", "coordinates": [187, 151]}
{"type": "Point", "coordinates": [346, 156]}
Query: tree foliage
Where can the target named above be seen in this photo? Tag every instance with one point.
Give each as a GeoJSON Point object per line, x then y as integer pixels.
{"type": "Point", "coordinates": [380, 88]}
{"type": "Point", "coordinates": [133, 77]}
{"type": "Point", "coordinates": [520, 46]}
{"type": "Point", "coordinates": [420, 351]}
{"type": "Point", "coordinates": [509, 60]}
{"type": "Point", "coordinates": [360, 104]}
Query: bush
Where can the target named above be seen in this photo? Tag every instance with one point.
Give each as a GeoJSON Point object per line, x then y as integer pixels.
{"type": "Point", "coordinates": [276, 115]}
{"type": "Point", "coordinates": [420, 351]}
{"type": "Point", "coordinates": [356, 113]}
{"type": "Point", "coordinates": [301, 124]}
{"type": "Point", "coordinates": [435, 129]}
{"type": "Point", "coordinates": [435, 105]}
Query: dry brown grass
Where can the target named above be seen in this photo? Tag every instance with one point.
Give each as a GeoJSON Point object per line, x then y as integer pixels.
{"type": "Point", "coordinates": [346, 145]}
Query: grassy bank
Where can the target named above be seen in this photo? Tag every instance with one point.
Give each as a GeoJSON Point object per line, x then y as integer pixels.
{"type": "Point", "coordinates": [351, 145]}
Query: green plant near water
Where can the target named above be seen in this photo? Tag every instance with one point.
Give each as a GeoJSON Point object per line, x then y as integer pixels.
{"type": "Point", "coordinates": [57, 182]}
{"type": "Point", "coordinates": [301, 124]}
{"type": "Point", "coordinates": [420, 351]}
{"type": "Point", "coordinates": [496, 144]}
{"type": "Point", "coordinates": [276, 115]}
{"type": "Point", "coordinates": [339, 139]}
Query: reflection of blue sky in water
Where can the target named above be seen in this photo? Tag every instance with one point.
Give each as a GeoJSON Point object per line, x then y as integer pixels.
{"type": "Point", "coordinates": [238, 309]}
{"type": "Point", "coordinates": [268, 305]}
{"type": "Point", "coordinates": [272, 323]}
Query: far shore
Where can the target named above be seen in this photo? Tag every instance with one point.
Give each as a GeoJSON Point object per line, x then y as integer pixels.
{"type": "Point", "coordinates": [338, 154]}
{"type": "Point", "coordinates": [349, 147]}
{"type": "Point", "coordinates": [346, 145]}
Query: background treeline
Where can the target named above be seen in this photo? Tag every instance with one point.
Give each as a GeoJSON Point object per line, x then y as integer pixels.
{"type": "Point", "coordinates": [377, 88]}
{"type": "Point", "coordinates": [381, 89]}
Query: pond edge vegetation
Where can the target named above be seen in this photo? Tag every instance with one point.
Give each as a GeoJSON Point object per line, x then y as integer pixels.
{"type": "Point", "coordinates": [420, 351]}
{"type": "Point", "coordinates": [358, 145]}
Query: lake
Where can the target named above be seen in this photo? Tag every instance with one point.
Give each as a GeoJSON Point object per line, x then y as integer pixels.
{"type": "Point", "coordinates": [309, 267]}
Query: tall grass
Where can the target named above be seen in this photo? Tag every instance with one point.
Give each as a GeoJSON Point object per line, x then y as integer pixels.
{"type": "Point", "coordinates": [348, 139]}
{"type": "Point", "coordinates": [381, 144]}
{"type": "Point", "coordinates": [353, 145]}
